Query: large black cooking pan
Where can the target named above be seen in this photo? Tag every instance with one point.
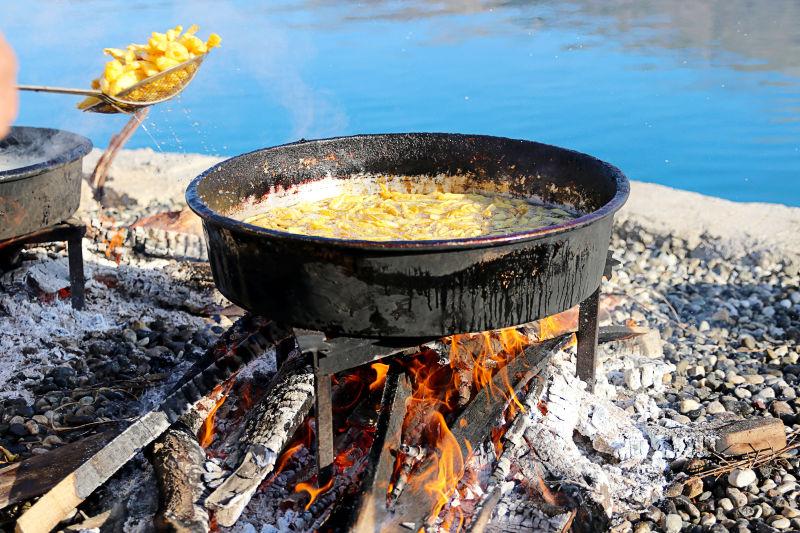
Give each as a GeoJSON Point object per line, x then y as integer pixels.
{"type": "Point", "coordinates": [408, 289]}
{"type": "Point", "coordinates": [40, 178]}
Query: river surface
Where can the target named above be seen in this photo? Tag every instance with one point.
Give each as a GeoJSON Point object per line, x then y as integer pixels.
{"type": "Point", "coordinates": [700, 95]}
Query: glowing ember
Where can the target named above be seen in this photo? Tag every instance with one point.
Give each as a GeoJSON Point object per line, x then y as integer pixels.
{"type": "Point", "coordinates": [206, 433]}
{"type": "Point", "coordinates": [116, 241]}
{"type": "Point", "coordinates": [313, 491]}
{"type": "Point", "coordinates": [381, 370]}
{"type": "Point", "coordinates": [246, 396]}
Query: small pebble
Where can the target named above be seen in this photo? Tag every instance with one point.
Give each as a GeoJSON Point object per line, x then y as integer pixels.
{"type": "Point", "coordinates": [780, 522]}
{"type": "Point", "coordinates": [688, 405]}
{"type": "Point", "coordinates": [741, 477]}
{"type": "Point", "coordinates": [674, 523]}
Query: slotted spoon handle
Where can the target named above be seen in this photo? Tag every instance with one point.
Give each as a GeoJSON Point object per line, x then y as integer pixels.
{"type": "Point", "coordinates": [59, 90]}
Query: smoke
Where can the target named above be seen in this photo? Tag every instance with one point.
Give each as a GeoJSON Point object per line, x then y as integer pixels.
{"type": "Point", "coordinates": [257, 51]}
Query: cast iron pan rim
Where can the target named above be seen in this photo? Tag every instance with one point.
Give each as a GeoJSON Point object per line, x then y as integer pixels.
{"type": "Point", "coordinates": [202, 209]}
{"type": "Point", "coordinates": [81, 147]}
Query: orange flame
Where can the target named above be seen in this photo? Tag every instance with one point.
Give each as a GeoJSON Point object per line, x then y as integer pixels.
{"type": "Point", "coordinates": [313, 491]}
{"type": "Point", "coordinates": [442, 476]}
{"type": "Point", "coordinates": [381, 370]}
{"type": "Point", "coordinates": [285, 456]}
{"type": "Point", "coordinates": [116, 241]}
{"type": "Point", "coordinates": [303, 441]}
{"type": "Point", "coordinates": [497, 439]}
{"type": "Point", "coordinates": [556, 325]}
{"type": "Point", "coordinates": [493, 351]}
{"type": "Point", "coordinates": [483, 359]}
{"type": "Point", "coordinates": [206, 433]}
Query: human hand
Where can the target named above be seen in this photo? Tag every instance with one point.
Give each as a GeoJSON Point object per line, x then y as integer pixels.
{"type": "Point", "coordinates": [9, 101]}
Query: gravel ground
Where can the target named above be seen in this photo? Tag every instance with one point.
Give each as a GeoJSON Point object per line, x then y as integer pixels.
{"type": "Point", "coordinates": [731, 326]}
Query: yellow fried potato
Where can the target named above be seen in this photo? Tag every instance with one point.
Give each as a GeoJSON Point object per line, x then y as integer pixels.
{"type": "Point", "coordinates": [392, 215]}
{"type": "Point", "coordinates": [137, 62]}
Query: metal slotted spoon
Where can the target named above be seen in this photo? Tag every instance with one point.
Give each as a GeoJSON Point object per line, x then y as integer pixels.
{"type": "Point", "coordinates": [153, 90]}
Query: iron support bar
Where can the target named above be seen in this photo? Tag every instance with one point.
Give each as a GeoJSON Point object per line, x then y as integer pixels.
{"type": "Point", "coordinates": [72, 232]}
{"type": "Point", "coordinates": [586, 362]}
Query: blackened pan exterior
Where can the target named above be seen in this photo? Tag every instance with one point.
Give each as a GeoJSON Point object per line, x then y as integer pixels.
{"type": "Point", "coordinates": [410, 289]}
{"type": "Point", "coordinates": [36, 196]}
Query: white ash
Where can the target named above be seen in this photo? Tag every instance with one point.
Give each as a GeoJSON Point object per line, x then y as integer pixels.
{"type": "Point", "coordinates": [38, 334]}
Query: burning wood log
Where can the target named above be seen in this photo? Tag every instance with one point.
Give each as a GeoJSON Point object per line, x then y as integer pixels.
{"type": "Point", "coordinates": [177, 460]}
{"type": "Point", "coordinates": [64, 497]}
{"type": "Point", "coordinates": [269, 426]}
{"type": "Point", "coordinates": [513, 439]}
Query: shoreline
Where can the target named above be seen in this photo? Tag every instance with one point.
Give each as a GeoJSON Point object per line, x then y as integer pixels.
{"type": "Point", "coordinates": [740, 227]}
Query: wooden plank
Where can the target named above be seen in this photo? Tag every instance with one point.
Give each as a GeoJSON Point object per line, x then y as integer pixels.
{"type": "Point", "coordinates": [35, 476]}
{"type": "Point", "coordinates": [751, 435]}
{"type": "Point", "coordinates": [370, 513]}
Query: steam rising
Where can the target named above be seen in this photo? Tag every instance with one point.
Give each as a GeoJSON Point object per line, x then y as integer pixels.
{"type": "Point", "coordinates": [23, 148]}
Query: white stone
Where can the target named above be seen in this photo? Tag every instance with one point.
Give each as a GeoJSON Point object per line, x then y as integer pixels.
{"type": "Point", "coordinates": [715, 408]}
{"type": "Point", "coordinates": [741, 478]}
{"type": "Point", "coordinates": [633, 379]}
{"type": "Point", "coordinates": [766, 394]}
{"type": "Point", "coordinates": [673, 523]}
{"type": "Point", "coordinates": [726, 504]}
{"type": "Point", "coordinates": [780, 522]}
{"type": "Point", "coordinates": [648, 375]}
{"type": "Point", "coordinates": [688, 405]}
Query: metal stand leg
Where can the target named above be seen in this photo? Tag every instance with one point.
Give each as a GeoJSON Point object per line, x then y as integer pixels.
{"type": "Point", "coordinates": [71, 231]}
{"type": "Point", "coordinates": [587, 339]}
{"type": "Point", "coordinates": [76, 277]}
{"type": "Point", "coordinates": [324, 412]}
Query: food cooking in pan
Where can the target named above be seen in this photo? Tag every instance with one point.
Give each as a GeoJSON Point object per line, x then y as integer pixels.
{"type": "Point", "coordinates": [391, 215]}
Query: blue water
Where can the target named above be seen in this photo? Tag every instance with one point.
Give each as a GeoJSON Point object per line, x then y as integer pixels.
{"type": "Point", "coordinates": [700, 95]}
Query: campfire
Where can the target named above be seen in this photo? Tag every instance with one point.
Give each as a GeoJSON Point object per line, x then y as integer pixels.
{"type": "Point", "coordinates": [422, 439]}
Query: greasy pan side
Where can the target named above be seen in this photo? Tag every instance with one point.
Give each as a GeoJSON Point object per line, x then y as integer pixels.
{"type": "Point", "coordinates": [410, 289]}
{"type": "Point", "coordinates": [35, 196]}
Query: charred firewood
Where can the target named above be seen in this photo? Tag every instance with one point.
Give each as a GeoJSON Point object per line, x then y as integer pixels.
{"type": "Point", "coordinates": [269, 426]}
{"type": "Point", "coordinates": [177, 460]}
{"type": "Point", "coordinates": [367, 511]}
{"type": "Point", "coordinates": [513, 440]}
